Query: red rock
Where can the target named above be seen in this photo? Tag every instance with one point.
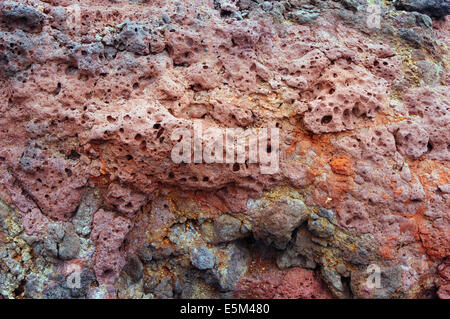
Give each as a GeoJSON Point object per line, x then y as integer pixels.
{"type": "Point", "coordinates": [444, 292]}
{"type": "Point", "coordinates": [108, 234]}
{"type": "Point", "coordinates": [93, 94]}
{"type": "Point", "coordinates": [294, 283]}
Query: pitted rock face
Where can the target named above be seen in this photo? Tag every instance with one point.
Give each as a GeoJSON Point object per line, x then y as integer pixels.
{"type": "Point", "coordinates": [25, 17]}
{"type": "Point", "coordinates": [275, 221]}
{"type": "Point", "coordinates": [434, 8]}
{"type": "Point", "coordinates": [55, 183]}
{"type": "Point", "coordinates": [94, 95]}
{"type": "Point", "coordinates": [108, 234]}
{"type": "Point", "coordinates": [343, 94]}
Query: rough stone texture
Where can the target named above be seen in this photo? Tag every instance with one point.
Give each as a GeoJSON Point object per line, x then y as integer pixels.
{"type": "Point", "coordinates": [108, 234]}
{"type": "Point", "coordinates": [434, 8]}
{"type": "Point", "coordinates": [296, 283]}
{"type": "Point", "coordinates": [432, 107]}
{"type": "Point", "coordinates": [275, 221]}
{"type": "Point", "coordinates": [51, 181]}
{"type": "Point", "coordinates": [93, 93]}
{"type": "Point", "coordinates": [25, 17]}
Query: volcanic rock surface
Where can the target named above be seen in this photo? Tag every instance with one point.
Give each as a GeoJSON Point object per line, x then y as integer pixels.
{"type": "Point", "coordinates": [92, 204]}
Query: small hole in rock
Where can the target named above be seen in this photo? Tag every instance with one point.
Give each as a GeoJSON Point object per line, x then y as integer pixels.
{"type": "Point", "coordinates": [326, 119]}
{"type": "Point", "coordinates": [68, 172]}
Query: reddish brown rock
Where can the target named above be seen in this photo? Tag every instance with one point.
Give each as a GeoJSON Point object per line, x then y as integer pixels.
{"type": "Point", "coordinates": [295, 283]}
{"type": "Point", "coordinates": [94, 94]}
{"type": "Point", "coordinates": [108, 234]}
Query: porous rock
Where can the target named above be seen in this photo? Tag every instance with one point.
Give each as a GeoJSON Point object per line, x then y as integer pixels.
{"type": "Point", "coordinates": [94, 98]}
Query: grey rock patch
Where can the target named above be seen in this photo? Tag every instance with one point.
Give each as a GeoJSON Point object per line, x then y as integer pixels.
{"type": "Point", "coordinates": [202, 258]}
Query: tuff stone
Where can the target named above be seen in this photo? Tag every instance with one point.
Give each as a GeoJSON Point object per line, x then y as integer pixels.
{"type": "Point", "coordinates": [93, 99]}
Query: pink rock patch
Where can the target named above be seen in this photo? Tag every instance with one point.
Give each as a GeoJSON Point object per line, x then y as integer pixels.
{"type": "Point", "coordinates": [294, 283]}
